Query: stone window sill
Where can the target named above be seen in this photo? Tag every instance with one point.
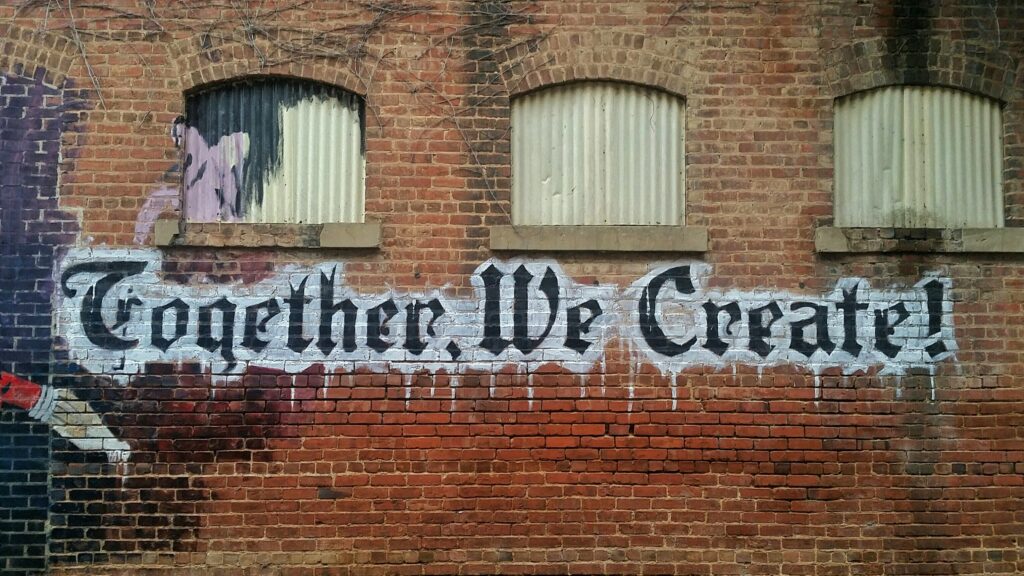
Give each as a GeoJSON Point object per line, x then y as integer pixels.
{"type": "Point", "coordinates": [836, 240]}
{"type": "Point", "coordinates": [175, 233]}
{"type": "Point", "coordinates": [600, 238]}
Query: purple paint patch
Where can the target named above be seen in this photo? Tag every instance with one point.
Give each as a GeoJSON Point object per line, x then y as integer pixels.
{"type": "Point", "coordinates": [32, 230]}
{"type": "Point", "coordinates": [32, 227]}
{"type": "Point", "coordinates": [213, 177]}
{"type": "Point", "coordinates": [162, 199]}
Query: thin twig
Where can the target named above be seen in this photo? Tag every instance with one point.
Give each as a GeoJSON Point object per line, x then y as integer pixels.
{"type": "Point", "coordinates": [85, 57]}
{"type": "Point", "coordinates": [454, 119]}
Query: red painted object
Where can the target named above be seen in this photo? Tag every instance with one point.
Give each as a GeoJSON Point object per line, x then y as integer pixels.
{"type": "Point", "coordinates": [18, 391]}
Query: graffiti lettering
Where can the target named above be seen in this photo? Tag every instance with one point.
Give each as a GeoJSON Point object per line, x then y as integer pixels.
{"type": "Point", "coordinates": [649, 327]}
{"type": "Point", "coordinates": [92, 320]}
{"type": "Point", "coordinates": [119, 314]}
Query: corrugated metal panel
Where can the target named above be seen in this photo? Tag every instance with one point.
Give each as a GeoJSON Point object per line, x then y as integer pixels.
{"type": "Point", "coordinates": [597, 153]}
{"type": "Point", "coordinates": [275, 150]}
{"type": "Point", "coordinates": [918, 157]}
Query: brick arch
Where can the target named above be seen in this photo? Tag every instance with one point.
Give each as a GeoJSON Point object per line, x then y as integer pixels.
{"type": "Point", "coordinates": [199, 64]}
{"type": "Point", "coordinates": [38, 55]}
{"type": "Point", "coordinates": [881, 62]}
{"type": "Point", "coordinates": [575, 56]}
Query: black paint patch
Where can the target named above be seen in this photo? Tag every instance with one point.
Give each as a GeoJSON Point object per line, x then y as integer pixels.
{"type": "Point", "coordinates": [255, 107]}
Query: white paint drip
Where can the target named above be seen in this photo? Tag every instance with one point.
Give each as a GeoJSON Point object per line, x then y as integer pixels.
{"type": "Point", "coordinates": [529, 390]}
{"type": "Point", "coordinates": [931, 380]}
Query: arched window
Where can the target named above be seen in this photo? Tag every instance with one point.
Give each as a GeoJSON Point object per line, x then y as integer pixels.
{"type": "Point", "coordinates": [597, 153]}
{"type": "Point", "coordinates": [918, 157]}
{"type": "Point", "coordinates": [274, 150]}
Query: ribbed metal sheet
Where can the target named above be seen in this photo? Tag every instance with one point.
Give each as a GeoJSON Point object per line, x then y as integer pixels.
{"type": "Point", "coordinates": [597, 153]}
{"type": "Point", "coordinates": [298, 147]}
{"type": "Point", "coordinates": [918, 157]}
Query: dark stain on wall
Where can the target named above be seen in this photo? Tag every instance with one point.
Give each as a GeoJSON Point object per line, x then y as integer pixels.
{"type": "Point", "coordinates": [910, 29]}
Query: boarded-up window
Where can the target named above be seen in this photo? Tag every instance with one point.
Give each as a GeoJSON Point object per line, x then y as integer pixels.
{"type": "Point", "coordinates": [918, 157]}
{"type": "Point", "coordinates": [274, 150]}
{"type": "Point", "coordinates": [597, 153]}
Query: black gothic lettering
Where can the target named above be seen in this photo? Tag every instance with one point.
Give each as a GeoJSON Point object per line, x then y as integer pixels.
{"type": "Point", "coordinates": [413, 342]}
{"type": "Point", "coordinates": [180, 323]}
{"type": "Point", "coordinates": [296, 312]}
{"type": "Point", "coordinates": [108, 308]}
{"type": "Point", "coordinates": [822, 340]}
{"type": "Point", "coordinates": [254, 326]}
{"type": "Point", "coordinates": [761, 332]}
{"type": "Point", "coordinates": [520, 308]}
{"type": "Point", "coordinates": [849, 307]}
{"type": "Point", "coordinates": [649, 327]}
{"type": "Point", "coordinates": [884, 329]}
{"type": "Point", "coordinates": [377, 327]}
{"type": "Point", "coordinates": [227, 328]}
{"type": "Point", "coordinates": [574, 329]}
{"type": "Point", "coordinates": [935, 292]}
{"type": "Point", "coordinates": [714, 340]}
{"type": "Point", "coordinates": [492, 340]}
{"type": "Point", "coordinates": [328, 308]}
{"type": "Point", "coordinates": [92, 304]}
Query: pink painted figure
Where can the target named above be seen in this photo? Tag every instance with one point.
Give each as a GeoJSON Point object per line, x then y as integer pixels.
{"type": "Point", "coordinates": [213, 177]}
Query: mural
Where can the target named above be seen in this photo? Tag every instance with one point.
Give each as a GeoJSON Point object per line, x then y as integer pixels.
{"type": "Point", "coordinates": [164, 198]}
{"type": "Point", "coordinates": [70, 417]}
{"type": "Point", "coordinates": [33, 231]}
{"type": "Point", "coordinates": [272, 150]}
{"type": "Point", "coordinates": [213, 176]}
{"type": "Point", "coordinates": [117, 314]}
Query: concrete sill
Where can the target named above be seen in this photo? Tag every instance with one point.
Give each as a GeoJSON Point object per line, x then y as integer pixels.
{"type": "Point", "coordinates": [175, 233]}
{"type": "Point", "coordinates": [835, 240]}
{"type": "Point", "coordinates": [600, 238]}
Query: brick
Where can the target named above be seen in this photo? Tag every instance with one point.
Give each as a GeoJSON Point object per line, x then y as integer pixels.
{"type": "Point", "coordinates": [627, 464]}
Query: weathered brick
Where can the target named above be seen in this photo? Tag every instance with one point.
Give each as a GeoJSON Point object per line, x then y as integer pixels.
{"type": "Point", "coordinates": [628, 464]}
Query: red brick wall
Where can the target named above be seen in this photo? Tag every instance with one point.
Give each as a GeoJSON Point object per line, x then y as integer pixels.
{"type": "Point", "coordinates": [622, 466]}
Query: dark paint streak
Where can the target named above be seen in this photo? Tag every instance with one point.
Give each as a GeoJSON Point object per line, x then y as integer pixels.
{"type": "Point", "coordinates": [254, 107]}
